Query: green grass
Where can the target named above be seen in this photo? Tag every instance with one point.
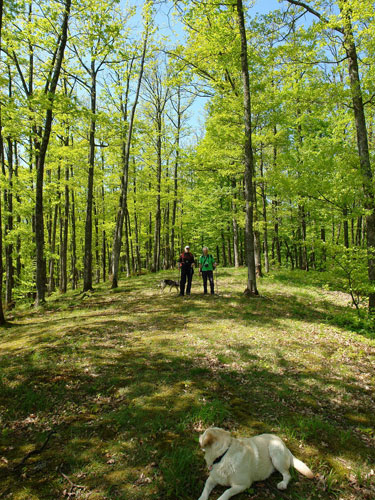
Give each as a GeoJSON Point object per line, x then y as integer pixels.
{"type": "Point", "coordinates": [128, 379]}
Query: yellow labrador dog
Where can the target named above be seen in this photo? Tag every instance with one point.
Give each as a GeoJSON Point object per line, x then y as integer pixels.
{"type": "Point", "coordinates": [239, 462]}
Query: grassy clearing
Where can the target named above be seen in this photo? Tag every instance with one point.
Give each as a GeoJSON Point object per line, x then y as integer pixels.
{"type": "Point", "coordinates": [128, 378]}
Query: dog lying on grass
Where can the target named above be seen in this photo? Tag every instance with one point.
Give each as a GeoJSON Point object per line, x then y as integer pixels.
{"type": "Point", "coordinates": [239, 462]}
{"type": "Point", "coordinates": [170, 283]}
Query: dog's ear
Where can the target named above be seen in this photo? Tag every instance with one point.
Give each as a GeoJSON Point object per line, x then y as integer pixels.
{"type": "Point", "coordinates": [207, 439]}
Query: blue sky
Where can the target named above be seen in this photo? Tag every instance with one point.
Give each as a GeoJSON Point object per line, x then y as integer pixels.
{"type": "Point", "coordinates": [169, 26]}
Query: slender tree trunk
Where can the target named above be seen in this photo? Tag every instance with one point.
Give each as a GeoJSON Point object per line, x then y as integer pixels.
{"type": "Point", "coordinates": [346, 227]}
{"type": "Point", "coordinates": [305, 260]}
{"type": "Point", "coordinates": [156, 258]}
{"type": "Point", "coordinates": [18, 198]}
{"type": "Point", "coordinates": [257, 242]}
{"type": "Point", "coordinates": [235, 225]}
{"type": "Point", "coordinates": [2, 160]}
{"type": "Point", "coordinates": [223, 250]}
{"type": "Point", "coordinates": [97, 256]}
{"type": "Point", "coordinates": [276, 239]}
{"type": "Point", "coordinates": [51, 264]}
{"type": "Point", "coordinates": [74, 241]}
{"type": "Point", "coordinates": [358, 239]}
{"type": "Point", "coordinates": [9, 225]}
{"type": "Point", "coordinates": [324, 251]}
{"type": "Point", "coordinates": [64, 245]}
{"type": "Point", "coordinates": [117, 240]}
{"type": "Point", "coordinates": [264, 213]}
{"type": "Point", "coordinates": [87, 260]}
{"type": "Point", "coordinates": [40, 162]}
{"type": "Point", "coordinates": [104, 236]}
{"type": "Point", "coordinates": [131, 253]}
{"type": "Point", "coordinates": [126, 256]}
{"type": "Point", "coordinates": [248, 157]}
{"type": "Point", "coordinates": [175, 176]}
{"type": "Point", "coordinates": [136, 233]}
{"type": "Point", "coordinates": [230, 261]}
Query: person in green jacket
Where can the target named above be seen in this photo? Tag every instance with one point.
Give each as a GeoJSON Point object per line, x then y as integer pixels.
{"type": "Point", "coordinates": [207, 265]}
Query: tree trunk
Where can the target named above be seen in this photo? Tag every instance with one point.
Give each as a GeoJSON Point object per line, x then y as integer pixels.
{"type": "Point", "coordinates": [117, 239]}
{"type": "Point", "coordinates": [2, 160]}
{"type": "Point", "coordinates": [87, 259]}
{"type": "Point", "coordinates": [248, 157]}
{"type": "Point", "coordinates": [9, 225]}
{"type": "Point", "coordinates": [175, 174]}
{"type": "Point", "coordinates": [230, 261]}
{"type": "Point", "coordinates": [51, 264]}
{"type": "Point", "coordinates": [74, 241]}
{"type": "Point", "coordinates": [362, 141]}
{"type": "Point", "coordinates": [264, 213]}
{"type": "Point", "coordinates": [223, 250]}
{"type": "Point", "coordinates": [156, 258]}
{"type": "Point", "coordinates": [97, 255]}
{"type": "Point", "coordinates": [136, 233]}
{"type": "Point", "coordinates": [235, 226]}
{"type": "Point", "coordinates": [126, 256]}
{"type": "Point", "coordinates": [257, 242]}
{"type": "Point", "coordinates": [276, 239]}
{"type": "Point", "coordinates": [65, 228]}
{"type": "Point", "coordinates": [18, 198]}
{"type": "Point", "coordinates": [104, 236]}
{"type": "Point", "coordinates": [305, 260]}
{"type": "Point", "coordinates": [324, 250]}
{"type": "Point", "coordinates": [346, 227]}
{"type": "Point", "coordinates": [40, 162]}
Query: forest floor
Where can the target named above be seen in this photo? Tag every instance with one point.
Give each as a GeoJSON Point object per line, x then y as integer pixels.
{"type": "Point", "coordinates": [127, 379]}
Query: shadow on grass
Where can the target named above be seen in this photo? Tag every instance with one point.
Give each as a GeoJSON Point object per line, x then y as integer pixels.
{"type": "Point", "coordinates": [128, 395]}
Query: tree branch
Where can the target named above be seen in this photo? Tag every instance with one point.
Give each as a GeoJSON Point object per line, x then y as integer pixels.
{"type": "Point", "coordinates": [315, 13]}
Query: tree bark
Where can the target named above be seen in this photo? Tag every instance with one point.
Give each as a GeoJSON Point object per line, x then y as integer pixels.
{"type": "Point", "coordinates": [248, 157]}
{"type": "Point", "coordinates": [235, 225]}
{"type": "Point", "coordinates": [264, 213]}
{"type": "Point", "coordinates": [117, 239]}
{"type": "Point", "coordinates": [51, 264]}
{"type": "Point", "coordinates": [40, 162]}
{"type": "Point", "coordinates": [87, 260]}
{"type": "Point", "coordinates": [175, 176]}
{"type": "Point", "coordinates": [74, 271]}
{"type": "Point", "coordinates": [64, 246]}
{"type": "Point", "coordinates": [156, 257]}
{"type": "Point", "coordinates": [9, 225]}
{"type": "Point", "coordinates": [362, 142]}
{"type": "Point", "coordinates": [2, 160]}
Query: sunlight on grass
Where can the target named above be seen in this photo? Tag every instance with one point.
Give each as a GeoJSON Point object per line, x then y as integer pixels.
{"type": "Point", "coordinates": [129, 379]}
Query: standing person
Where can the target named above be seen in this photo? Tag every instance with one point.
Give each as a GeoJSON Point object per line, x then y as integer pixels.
{"type": "Point", "coordinates": [207, 265]}
{"type": "Point", "coordinates": [186, 263]}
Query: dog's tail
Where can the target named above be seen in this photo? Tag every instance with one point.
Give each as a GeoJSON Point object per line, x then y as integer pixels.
{"type": "Point", "coordinates": [302, 468]}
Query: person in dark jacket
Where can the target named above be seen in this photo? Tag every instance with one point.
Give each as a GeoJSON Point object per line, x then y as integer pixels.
{"type": "Point", "coordinates": [186, 263]}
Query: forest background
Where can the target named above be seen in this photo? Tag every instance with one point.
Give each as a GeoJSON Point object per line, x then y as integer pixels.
{"type": "Point", "coordinates": [128, 130]}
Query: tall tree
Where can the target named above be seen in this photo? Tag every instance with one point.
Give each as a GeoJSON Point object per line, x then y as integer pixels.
{"type": "Point", "coordinates": [125, 155]}
{"type": "Point", "coordinates": [248, 156]}
{"type": "Point", "coordinates": [349, 45]}
{"type": "Point", "coordinates": [41, 151]}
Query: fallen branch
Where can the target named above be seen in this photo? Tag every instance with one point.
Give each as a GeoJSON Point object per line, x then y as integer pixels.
{"type": "Point", "coordinates": [72, 486]}
{"type": "Point", "coordinates": [36, 451]}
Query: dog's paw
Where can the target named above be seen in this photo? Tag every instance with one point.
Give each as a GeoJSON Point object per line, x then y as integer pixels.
{"type": "Point", "coordinates": [282, 485]}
